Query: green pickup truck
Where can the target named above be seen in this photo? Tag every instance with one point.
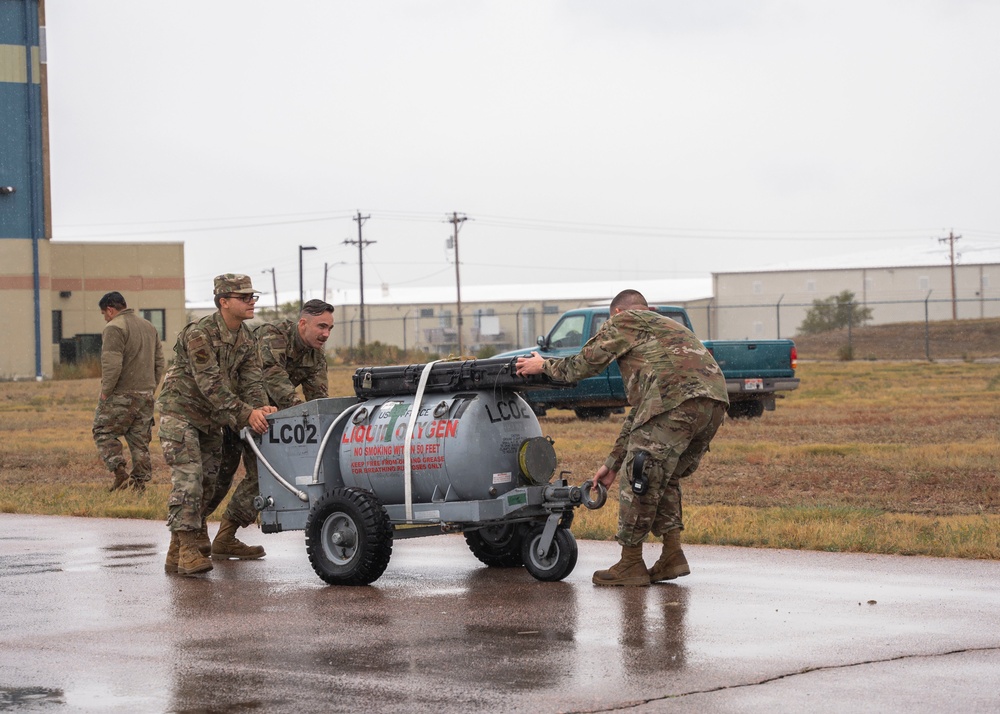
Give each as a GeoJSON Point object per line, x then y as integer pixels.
{"type": "Point", "coordinates": [755, 370]}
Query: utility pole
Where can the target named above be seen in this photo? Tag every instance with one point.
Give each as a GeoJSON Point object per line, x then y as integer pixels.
{"type": "Point", "coordinates": [456, 220]}
{"type": "Point", "coordinates": [274, 289]}
{"type": "Point", "coordinates": [361, 266]}
{"type": "Point", "coordinates": [951, 245]}
{"type": "Point", "coordinates": [302, 248]}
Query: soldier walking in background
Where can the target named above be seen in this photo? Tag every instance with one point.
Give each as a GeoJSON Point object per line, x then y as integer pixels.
{"type": "Point", "coordinates": [212, 358]}
{"type": "Point", "coordinates": [131, 368]}
{"type": "Point", "coordinates": [292, 355]}
{"type": "Point", "coordinates": [678, 397]}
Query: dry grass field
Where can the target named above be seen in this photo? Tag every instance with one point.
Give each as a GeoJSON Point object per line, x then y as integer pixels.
{"type": "Point", "coordinates": [887, 457]}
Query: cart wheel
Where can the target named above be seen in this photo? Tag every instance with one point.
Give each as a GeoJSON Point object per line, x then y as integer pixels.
{"type": "Point", "coordinates": [349, 537]}
{"type": "Point", "coordinates": [557, 563]}
{"type": "Point", "coordinates": [497, 546]}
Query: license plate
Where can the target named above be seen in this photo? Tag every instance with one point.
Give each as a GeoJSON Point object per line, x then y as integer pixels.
{"type": "Point", "coordinates": [753, 385]}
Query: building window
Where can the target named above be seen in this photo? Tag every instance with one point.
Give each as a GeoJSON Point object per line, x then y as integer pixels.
{"type": "Point", "coordinates": [56, 326]}
{"type": "Point", "coordinates": [924, 282]}
{"type": "Point", "coordinates": [427, 312]}
{"type": "Point", "coordinates": [159, 320]}
{"type": "Point", "coordinates": [810, 286]}
{"type": "Point", "coordinates": [758, 287]}
{"type": "Point", "coordinates": [758, 329]}
{"type": "Point", "coordinates": [480, 313]}
{"type": "Point", "coordinates": [444, 319]}
{"type": "Point", "coordinates": [528, 324]}
{"type": "Point", "coordinates": [986, 282]}
{"type": "Point", "coordinates": [551, 310]}
{"type": "Point", "coordinates": [869, 283]}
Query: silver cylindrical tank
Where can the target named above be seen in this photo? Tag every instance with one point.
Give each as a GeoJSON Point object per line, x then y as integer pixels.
{"type": "Point", "coordinates": [464, 446]}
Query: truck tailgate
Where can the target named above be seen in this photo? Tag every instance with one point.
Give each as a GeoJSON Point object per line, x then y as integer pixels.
{"type": "Point", "coordinates": [763, 358]}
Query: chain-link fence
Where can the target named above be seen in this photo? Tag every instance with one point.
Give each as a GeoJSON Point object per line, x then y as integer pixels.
{"type": "Point", "coordinates": [898, 329]}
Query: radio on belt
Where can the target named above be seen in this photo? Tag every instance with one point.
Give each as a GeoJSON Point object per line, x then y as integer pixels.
{"type": "Point", "coordinates": [446, 447]}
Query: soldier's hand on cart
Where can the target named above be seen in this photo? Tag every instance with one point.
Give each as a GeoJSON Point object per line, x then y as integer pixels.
{"type": "Point", "coordinates": [530, 365]}
{"type": "Point", "coordinates": [258, 419]}
{"type": "Point", "coordinates": [604, 476]}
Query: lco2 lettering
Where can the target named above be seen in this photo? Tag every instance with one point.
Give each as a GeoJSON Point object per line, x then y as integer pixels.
{"type": "Point", "coordinates": [507, 411]}
{"type": "Point", "coordinates": [292, 434]}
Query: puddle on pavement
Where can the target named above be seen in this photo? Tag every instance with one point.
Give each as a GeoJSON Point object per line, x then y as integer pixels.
{"type": "Point", "coordinates": [11, 565]}
{"type": "Point", "coordinates": [127, 555]}
{"type": "Point", "coordinates": [17, 697]}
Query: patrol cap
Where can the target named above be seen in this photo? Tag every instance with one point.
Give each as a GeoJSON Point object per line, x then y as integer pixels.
{"type": "Point", "coordinates": [233, 283]}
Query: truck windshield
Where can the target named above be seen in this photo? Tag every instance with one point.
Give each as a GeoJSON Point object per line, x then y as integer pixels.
{"type": "Point", "coordinates": [568, 332]}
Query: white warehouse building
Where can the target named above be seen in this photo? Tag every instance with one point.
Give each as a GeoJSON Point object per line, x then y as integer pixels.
{"type": "Point", "coordinates": [772, 303]}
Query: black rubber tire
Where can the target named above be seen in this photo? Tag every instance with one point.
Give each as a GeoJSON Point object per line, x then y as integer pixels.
{"type": "Point", "coordinates": [497, 546]}
{"type": "Point", "coordinates": [356, 518]}
{"type": "Point", "coordinates": [560, 560]}
{"type": "Point", "coordinates": [592, 413]}
{"type": "Point", "coordinates": [746, 410]}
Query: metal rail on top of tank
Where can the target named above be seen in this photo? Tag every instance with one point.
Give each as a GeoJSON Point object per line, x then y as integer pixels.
{"type": "Point", "coordinates": [448, 376]}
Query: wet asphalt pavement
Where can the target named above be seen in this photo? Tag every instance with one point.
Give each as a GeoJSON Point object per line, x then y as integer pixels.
{"type": "Point", "coordinates": [89, 622]}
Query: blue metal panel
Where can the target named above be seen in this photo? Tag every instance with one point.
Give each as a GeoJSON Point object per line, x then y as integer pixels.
{"type": "Point", "coordinates": [15, 209]}
{"type": "Point", "coordinates": [22, 214]}
{"type": "Point", "coordinates": [12, 21]}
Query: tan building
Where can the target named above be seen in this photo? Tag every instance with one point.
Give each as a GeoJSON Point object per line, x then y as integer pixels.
{"type": "Point", "coordinates": [49, 289]}
{"type": "Point", "coordinates": [72, 278]}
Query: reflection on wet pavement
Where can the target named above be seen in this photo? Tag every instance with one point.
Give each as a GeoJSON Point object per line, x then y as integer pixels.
{"type": "Point", "coordinates": [93, 622]}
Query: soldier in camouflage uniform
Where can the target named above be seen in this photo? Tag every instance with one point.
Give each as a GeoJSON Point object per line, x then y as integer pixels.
{"type": "Point", "coordinates": [131, 368]}
{"type": "Point", "coordinates": [211, 357]}
{"type": "Point", "coordinates": [291, 355]}
{"type": "Point", "coordinates": [678, 397]}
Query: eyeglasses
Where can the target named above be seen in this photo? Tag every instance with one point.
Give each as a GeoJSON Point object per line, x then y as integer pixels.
{"type": "Point", "coordinates": [248, 299]}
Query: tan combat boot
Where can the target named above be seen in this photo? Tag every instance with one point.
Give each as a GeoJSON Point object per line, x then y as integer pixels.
{"type": "Point", "coordinates": [190, 560]}
{"type": "Point", "coordinates": [226, 545]}
{"type": "Point", "coordinates": [630, 570]}
{"type": "Point", "coordinates": [121, 478]}
{"type": "Point", "coordinates": [671, 563]}
{"type": "Point", "coordinates": [173, 554]}
{"type": "Point", "coordinates": [202, 539]}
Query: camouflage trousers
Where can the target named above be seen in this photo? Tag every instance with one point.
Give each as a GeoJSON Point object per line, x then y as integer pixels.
{"type": "Point", "coordinates": [240, 509]}
{"type": "Point", "coordinates": [128, 415]}
{"type": "Point", "coordinates": [675, 442]}
{"type": "Point", "coordinates": [193, 457]}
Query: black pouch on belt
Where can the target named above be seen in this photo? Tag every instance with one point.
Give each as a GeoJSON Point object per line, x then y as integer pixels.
{"type": "Point", "coordinates": [640, 480]}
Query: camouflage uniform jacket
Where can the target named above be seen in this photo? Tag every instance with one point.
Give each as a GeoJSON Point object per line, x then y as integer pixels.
{"type": "Point", "coordinates": [212, 365]}
{"type": "Point", "coordinates": [131, 355]}
{"type": "Point", "coordinates": [289, 362]}
{"type": "Point", "coordinates": [661, 361]}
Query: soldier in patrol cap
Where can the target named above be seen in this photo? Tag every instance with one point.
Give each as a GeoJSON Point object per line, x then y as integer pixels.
{"type": "Point", "coordinates": [291, 356]}
{"type": "Point", "coordinates": [678, 397]}
{"type": "Point", "coordinates": [213, 382]}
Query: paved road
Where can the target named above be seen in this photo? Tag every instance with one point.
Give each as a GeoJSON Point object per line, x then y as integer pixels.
{"type": "Point", "coordinates": [89, 622]}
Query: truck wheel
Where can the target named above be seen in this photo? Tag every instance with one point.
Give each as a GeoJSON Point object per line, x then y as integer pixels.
{"type": "Point", "coordinates": [745, 410]}
{"type": "Point", "coordinates": [592, 413]}
{"type": "Point", "coordinates": [557, 563]}
{"type": "Point", "coordinates": [349, 537]}
{"type": "Point", "coordinates": [497, 546]}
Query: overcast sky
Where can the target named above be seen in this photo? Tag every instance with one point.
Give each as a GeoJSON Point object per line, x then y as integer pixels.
{"type": "Point", "coordinates": [583, 140]}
